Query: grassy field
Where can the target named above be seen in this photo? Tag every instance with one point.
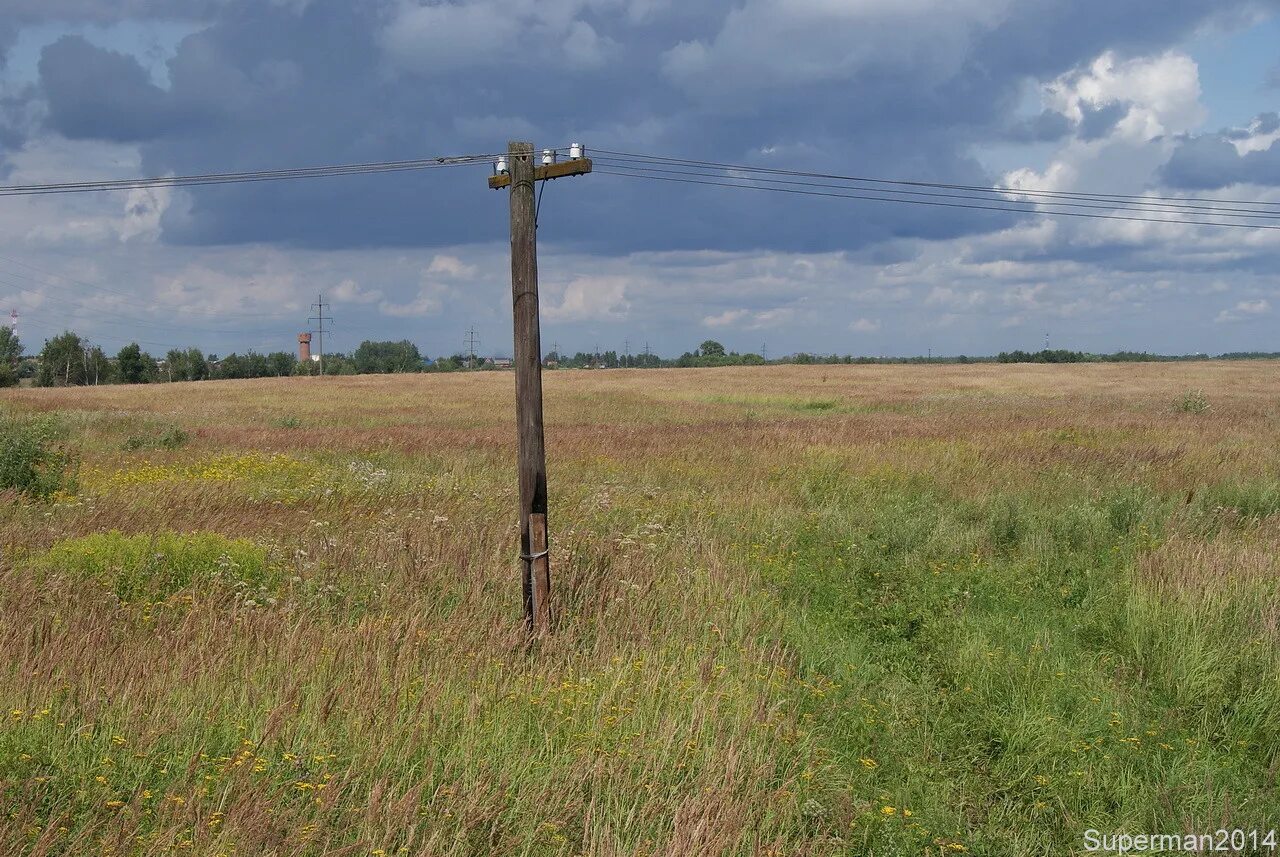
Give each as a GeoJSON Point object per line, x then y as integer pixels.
{"type": "Point", "coordinates": [802, 611]}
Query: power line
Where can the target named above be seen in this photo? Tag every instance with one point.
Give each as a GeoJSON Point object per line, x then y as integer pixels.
{"type": "Point", "coordinates": [1003, 189]}
{"type": "Point", "coordinates": [1154, 207]}
{"type": "Point", "coordinates": [870, 198]}
{"type": "Point", "coordinates": [247, 176]}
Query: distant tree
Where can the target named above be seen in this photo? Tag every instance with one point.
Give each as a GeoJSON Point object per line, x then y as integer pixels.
{"type": "Point", "coordinates": [711, 348]}
{"type": "Point", "coordinates": [62, 361]}
{"type": "Point", "coordinates": [10, 347]}
{"type": "Point", "coordinates": [376, 357]}
{"type": "Point", "coordinates": [281, 363]}
{"type": "Point", "coordinates": [339, 364]}
{"type": "Point", "coordinates": [175, 365]}
{"type": "Point", "coordinates": [256, 365]}
{"type": "Point", "coordinates": [232, 366]}
{"type": "Point", "coordinates": [134, 366]}
{"type": "Point", "coordinates": [97, 367]}
{"type": "Point", "coordinates": [197, 367]}
{"type": "Point", "coordinates": [10, 357]}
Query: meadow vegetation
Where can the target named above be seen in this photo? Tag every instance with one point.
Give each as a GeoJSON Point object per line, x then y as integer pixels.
{"type": "Point", "coordinates": [802, 610]}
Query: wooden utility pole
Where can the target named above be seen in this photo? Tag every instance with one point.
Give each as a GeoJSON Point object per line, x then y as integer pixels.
{"type": "Point", "coordinates": [532, 466]}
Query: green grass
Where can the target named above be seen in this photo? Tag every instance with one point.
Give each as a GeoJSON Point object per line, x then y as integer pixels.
{"type": "Point", "coordinates": [155, 566]}
{"type": "Point", "coordinates": [998, 671]}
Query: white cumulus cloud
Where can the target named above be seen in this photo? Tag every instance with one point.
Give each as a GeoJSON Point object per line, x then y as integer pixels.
{"type": "Point", "coordinates": [865, 325]}
{"type": "Point", "coordinates": [1244, 310]}
{"type": "Point", "coordinates": [597, 298]}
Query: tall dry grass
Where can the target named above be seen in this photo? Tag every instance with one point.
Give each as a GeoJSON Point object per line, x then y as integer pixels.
{"type": "Point", "coordinates": [747, 562]}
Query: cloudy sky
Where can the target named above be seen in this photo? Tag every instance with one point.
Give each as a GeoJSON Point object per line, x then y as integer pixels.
{"type": "Point", "coordinates": [1175, 97]}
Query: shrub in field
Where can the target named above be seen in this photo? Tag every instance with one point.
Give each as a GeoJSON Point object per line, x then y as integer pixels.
{"type": "Point", "coordinates": [154, 566]}
{"type": "Point", "coordinates": [1193, 402]}
{"type": "Point", "coordinates": [33, 461]}
{"type": "Point", "coordinates": [288, 423]}
{"type": "Point", "coordinates": [172, 437]}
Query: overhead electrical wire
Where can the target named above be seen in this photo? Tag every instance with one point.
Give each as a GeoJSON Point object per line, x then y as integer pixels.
{"type": "Point", "coordinates": [994, 189]}
{"type": "Point", "coordinates": [1123, 207]}
{"type": "Point", "coordinates": [868, 197]}
{"type": "Point", "coordinates": [1155, 207]}
{"type": "Point", "coordinates": [248, 176]}
{"type": "Point", "coordinates": [196, 180]}
{"type": "Point", "coordinates": [112, 315]}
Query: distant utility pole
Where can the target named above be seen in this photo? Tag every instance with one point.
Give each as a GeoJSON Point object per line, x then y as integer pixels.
{"type": "Point", "coordinates": [555, 349]}
{"type": "Point", "coordinates": [646, 352]}
{"type": "Point", "coordinates": [470, 345]}
{"type": "Point", "coordinates": [320, 318]}
{"type": "Point", "coordinates": [1046, 340]}
{"type": "Point", "coordinates": [764, 352]}
{"type": "Point", "coordinates": [517, 171]}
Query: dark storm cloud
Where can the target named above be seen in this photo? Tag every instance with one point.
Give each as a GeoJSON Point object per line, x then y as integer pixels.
{"type": "Point", "coordinates": [1098, 122]}
{"type": "Point", "coordinates": [1210, 162]}
{"type": "Point", "coordinates": [108, 11]}
{"type": "Point", "coordinates": [283, 84]}
{"type": "Point", "coordinates": [1046, 126]}
{"type": "Point", "coordinates": [94, 93]}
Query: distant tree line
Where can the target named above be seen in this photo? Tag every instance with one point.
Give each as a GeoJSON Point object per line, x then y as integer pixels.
{"type": "Point", "coordinates": [1063, 356]}
{"type": "Point", "coordinates": [69, 360]}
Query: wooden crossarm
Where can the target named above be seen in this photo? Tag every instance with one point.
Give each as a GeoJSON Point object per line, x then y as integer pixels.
{"type": "Point", "coordinates": [576, 167]}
